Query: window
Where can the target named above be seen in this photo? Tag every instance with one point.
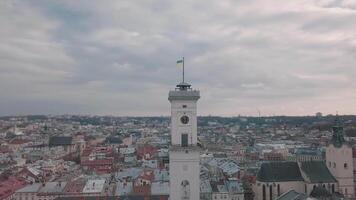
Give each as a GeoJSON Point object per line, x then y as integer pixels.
{"type": "Point", "coordinates": [184, 106]}
{"type": "Point", "coordinates": [305, 189]}
{"type": "Point", "coordinates": [270, 192]}
{"type": "Point", "coordinates": [345, 165]}
{"type": "Point", "coordinates": [184, 140]}
{"type": "Point", "coordinates": [264, 192]}
{"type": "Point", "coordinates": [278, 190]}
{"type": "Point", "coordinates": [332, 188]}
{"type": "Point", "coordinates": [329, 164]}
{"type": "Point", "coordinates": [334, 165]}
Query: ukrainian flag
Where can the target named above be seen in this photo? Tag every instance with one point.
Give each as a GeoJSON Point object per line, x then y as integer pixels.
{"type": "Point", "coordinates": [179, 63]}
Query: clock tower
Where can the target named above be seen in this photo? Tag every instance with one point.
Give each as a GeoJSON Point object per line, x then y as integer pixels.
{"type": "Point", "coordinates": [184, 154]}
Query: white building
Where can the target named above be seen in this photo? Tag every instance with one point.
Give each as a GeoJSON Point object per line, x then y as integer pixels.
{"type": "Point", "coordinates": [184, 153]}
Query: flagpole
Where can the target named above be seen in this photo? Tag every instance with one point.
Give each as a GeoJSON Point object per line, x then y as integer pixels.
{"type": "Point", "coordinates": [183, 69]}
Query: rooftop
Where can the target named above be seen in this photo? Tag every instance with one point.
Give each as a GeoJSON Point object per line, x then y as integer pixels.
{"type": "Point", "coordinates": [317, 172]}
{"type": "Point", "coordinates": [279, 171]}
{"type": "Point", "coordinates": [60, 141]}
{"type": "Point", "coordinates": [53, 187]}
{"type": "Point", "coordinates": [94, 186]}
{"type": "Point", "coordinates": [33, 188]}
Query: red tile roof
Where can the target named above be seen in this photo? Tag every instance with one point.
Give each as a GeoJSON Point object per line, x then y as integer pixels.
{"type": "Point", "coordinates": [9, 186]}
{"type": "Point", "coordinates": [18, 141]}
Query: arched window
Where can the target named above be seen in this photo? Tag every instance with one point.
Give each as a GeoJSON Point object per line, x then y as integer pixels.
{"type": "Point", "coordinates": [263, 192]}
{"type": "Point", "coordinates": [305, 189]}
{"type": "Point", "coordinates": [332, 188]}
{"type": "Point", "coordinates": [185, 190]}
{"type": "Point", "coordinates": [270, 192]}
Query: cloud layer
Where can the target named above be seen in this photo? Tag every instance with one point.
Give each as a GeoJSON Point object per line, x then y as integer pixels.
{"type": "Point", "coordinates": [118, 57]}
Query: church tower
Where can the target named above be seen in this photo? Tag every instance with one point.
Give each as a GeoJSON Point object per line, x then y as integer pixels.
{"type": "Point", "coordinates": [184, 155]}
{"type": "Point", "coordinates": [340, 162]}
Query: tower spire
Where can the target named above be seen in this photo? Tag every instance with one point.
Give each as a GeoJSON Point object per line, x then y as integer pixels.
{"type": "Point", "coordinates": [338, 133]}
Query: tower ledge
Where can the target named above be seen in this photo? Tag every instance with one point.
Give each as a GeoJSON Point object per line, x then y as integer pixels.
{"type": "Point", "coordinates": [183, 149]}
{"type": "Point", "coordinates": [183, 95]}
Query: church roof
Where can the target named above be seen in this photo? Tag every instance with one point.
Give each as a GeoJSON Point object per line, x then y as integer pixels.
{"type": "Point", "coordinates": [292, 195]}
{"type": "Point", "coordinates": [60, 141]}
{"type": "Point", "coordinates": [279, 172]}
{"type": "Point", "coordinates": [317, 172]}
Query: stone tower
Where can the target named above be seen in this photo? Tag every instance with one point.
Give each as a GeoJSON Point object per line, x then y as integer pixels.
{"type": "Point", "coordinates": [340, 162]}
{"type": "Point", "coordinates": [184, 155]}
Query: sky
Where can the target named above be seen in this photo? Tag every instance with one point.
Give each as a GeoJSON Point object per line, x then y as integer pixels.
{"type": "Point", "coordinates": [118, 57]}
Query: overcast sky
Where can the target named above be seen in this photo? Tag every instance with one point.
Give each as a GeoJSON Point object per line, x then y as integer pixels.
{"type": "Point", "coordinates": [282, 57]}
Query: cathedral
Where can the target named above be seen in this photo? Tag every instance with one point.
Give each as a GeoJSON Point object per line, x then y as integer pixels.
{"type": "Point", "coordinates": [312, 178]}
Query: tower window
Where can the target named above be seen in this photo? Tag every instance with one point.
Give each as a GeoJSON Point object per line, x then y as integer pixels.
{"type": "Point", "coordinates": [345, 165]}
{"type": "Point", "coordinates": [184, 140]}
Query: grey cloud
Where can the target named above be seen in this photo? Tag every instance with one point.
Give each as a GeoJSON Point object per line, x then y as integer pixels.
{"type": "Point", "coordinates": [118, 57]}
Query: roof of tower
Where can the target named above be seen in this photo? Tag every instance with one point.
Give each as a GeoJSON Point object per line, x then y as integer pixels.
{"type": "Point", "coordinates": [183, 86]}
{"type": "Point", "coordinates": [338, 133]}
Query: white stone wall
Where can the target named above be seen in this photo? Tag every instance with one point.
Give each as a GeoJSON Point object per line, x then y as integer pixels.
{"type": "Point", "coordinates": [340, 164]}
{"type": "Point", "coordinates": [184, 166]}
{"type": "Point", "coordinates": [177, 128]}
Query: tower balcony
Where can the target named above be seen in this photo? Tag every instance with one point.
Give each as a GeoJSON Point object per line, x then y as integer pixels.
{"type": "Point", "coordinates": [178, 94]}
{"type": "Point", "coordinates": [184, 148]}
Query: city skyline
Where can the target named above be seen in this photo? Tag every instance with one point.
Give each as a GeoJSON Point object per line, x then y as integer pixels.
{"type": "Point", "coordinates": [272, 57]}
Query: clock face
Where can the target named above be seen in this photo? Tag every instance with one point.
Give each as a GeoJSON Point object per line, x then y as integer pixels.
{"type": "Point", "coordinates": [184, 119]}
